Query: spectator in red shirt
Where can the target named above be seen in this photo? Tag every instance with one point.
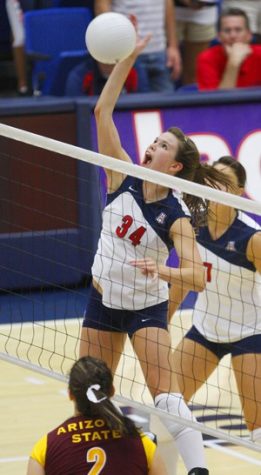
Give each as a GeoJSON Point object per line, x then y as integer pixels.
{"type": "Point", "coordinates": [234, 62]}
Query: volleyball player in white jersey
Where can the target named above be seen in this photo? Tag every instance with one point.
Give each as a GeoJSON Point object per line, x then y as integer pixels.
{"type": "Point", "coordinates": [227, 315]}
{"type": "Point", "coordinates": [141, 223]}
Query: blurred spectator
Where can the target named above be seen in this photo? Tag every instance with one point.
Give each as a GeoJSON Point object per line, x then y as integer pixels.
{"type": "Point", "coordinates": [235, 62]}
{"type": "Point", "coordinates": [196, 28]}
{"type": "Point", "coordinates": [15, 17]}
{"type": "Point", "coordinates": [160, 63]}
{"type": "Point", "coordinates": [89, 78]}
{"type": "Point", "coordinates": [158, 66]}
{"type": "Point", "coordinates": [253, 10]}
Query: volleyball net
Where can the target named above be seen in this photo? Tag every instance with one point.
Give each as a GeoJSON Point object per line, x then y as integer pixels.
{"type": "Point", "coordinates": [52, 199]}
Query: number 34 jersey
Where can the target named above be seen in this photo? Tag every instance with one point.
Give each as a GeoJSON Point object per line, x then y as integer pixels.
{"type": "Point", "coordinates": [229, 309]}
{"type": "Point", "coordinates": [134, 229]}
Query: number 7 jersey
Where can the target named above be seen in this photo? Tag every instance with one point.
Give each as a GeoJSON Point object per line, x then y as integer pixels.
{"type": "Point", "coordinates": [133, 229]}
{"type": "Point", "coordinates": [229, 309]}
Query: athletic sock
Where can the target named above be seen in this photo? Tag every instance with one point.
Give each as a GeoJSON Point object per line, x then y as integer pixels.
{"type": "Point", "coordinates": [189, 441]}
{"type": "Point", "coordinates": [256, 436]}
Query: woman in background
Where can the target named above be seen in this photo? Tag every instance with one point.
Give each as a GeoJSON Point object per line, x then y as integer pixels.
{"type": "Point", "coordinates": [227, 315]}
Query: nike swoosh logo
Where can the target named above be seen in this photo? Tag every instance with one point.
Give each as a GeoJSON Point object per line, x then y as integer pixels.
{"type": "Point", "coordinates": [145, 319]}
{"type": "Point", "coordinates": [132, 189]}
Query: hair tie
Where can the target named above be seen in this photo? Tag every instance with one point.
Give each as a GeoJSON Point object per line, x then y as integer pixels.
{"type": "Point", "coordinates": [91, 396]}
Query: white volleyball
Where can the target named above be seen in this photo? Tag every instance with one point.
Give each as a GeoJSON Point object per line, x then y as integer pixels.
{"type": "Point", "coordinates": [110, 37]}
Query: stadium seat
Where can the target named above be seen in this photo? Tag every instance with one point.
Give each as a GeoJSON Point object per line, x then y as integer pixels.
{"type": "Point", "coordinates": [55, 43]}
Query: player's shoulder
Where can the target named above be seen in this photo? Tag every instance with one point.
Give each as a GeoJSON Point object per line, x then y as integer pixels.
{"type": "Point", "coordinates": [246, 223]}
{"type": "Point", "coordinates": [178, 204]}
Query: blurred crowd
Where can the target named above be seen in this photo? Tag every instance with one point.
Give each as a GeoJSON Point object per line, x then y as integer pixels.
{"type": "Point", "coordinates": [196, 45]}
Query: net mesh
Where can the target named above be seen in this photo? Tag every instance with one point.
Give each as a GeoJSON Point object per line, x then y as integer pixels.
{"type": "Point", "coordinates": [48, 249]}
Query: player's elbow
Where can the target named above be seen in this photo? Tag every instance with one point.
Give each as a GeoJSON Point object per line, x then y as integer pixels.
{"type": "Point", "coordinates": [102, 115]}
{"type": "Point", "coordinates": [98, 111]}
{"type": "Point", "coordinates": [200, 279]}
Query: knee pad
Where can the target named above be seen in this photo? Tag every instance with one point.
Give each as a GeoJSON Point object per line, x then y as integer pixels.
{"type": "Point", "coordinates": [174, 404]}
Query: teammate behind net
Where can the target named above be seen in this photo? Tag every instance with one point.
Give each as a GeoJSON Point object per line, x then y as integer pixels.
{"type": "Point", "coordinates": [227, 315]}
{"type": "Point", "coordinates": [141, 223]}
{"type": "Point", "coordinates": [98, 436]}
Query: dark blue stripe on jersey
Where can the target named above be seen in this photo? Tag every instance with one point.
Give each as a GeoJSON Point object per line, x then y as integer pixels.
{"type": "Point", "coordinates": [232, 245]}
{"type": "Point", "coordinates": [169, 207]}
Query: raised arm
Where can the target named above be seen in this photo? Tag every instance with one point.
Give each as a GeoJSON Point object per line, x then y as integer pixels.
{"type": "Point", "coordinates": [108, 138]}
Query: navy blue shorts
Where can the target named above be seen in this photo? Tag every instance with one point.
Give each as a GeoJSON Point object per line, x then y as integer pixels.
{"type": "Point", "coordinates": [251, 344]}
{"type": "Point", "coordinates": [104, 318]}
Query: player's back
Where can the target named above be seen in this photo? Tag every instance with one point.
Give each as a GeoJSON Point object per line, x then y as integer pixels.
{"type": "Point", "coordinates": [80, 445]}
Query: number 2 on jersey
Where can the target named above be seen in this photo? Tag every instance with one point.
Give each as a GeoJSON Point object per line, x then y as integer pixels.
{"type": "Point", "coordinates": [97, 455]}
{"type": "Point", "coordinates": [135, 236]}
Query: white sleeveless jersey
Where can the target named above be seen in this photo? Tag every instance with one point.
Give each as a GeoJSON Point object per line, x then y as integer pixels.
{"type": "Point", "coordinates": [230, 307]}
{"type": "Point", "coordinates": [134, 229]}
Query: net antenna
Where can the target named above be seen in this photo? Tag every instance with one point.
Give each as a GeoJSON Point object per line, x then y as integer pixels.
{"type": "Point", "coordinates": [51, 346]}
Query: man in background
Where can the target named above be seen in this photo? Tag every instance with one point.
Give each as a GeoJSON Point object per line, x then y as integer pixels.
{"type": "Point", "coordinates": [235, 62]}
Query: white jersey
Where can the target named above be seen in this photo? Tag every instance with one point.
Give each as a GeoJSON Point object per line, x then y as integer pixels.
{"type": "Point", "coordinates": [230, 307]}
{"type": "Point", "coordinates": [133, 229]}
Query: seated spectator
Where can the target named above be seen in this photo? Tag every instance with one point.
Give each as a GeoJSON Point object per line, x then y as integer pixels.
{"type": "Point", "coordinates": [160, 62]}
{"type": "Point", "coordinates": [253, 10]}
{"type": "Point", "coordinates": [155, 69]}
{"type": "Point", "coordinates": [15, 17]}
{"type": "Point", "coordinates": [196, 28]}
{"type": "Point", "coordinates": [89, 78]}
{"type": "Point", "coordinates": [234, 62]}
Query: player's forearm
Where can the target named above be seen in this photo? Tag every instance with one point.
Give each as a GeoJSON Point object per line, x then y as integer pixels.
{"type": "Point", "coordinates": [189, 278]}
{"type": "Point", "coordinates": [114, 85]}
{"type": "Point", "coordinates": [230, 75]}
{"type": "Point", "coordinates": [176, 296]}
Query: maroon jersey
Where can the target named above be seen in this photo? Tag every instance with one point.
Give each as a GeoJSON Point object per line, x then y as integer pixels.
{"type": "Point", "coordinates": [82, 446]}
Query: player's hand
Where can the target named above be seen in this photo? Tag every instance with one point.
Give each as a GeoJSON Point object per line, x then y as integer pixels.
{"type": "Point", "coordinates": [237, 53]}
{"type": "Point", "coordinates": [141, 43]}
{"type": "Point", "coordinates": [147, 266]}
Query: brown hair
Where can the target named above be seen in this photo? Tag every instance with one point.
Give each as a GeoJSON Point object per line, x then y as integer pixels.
{"type": "Point", "coordinates": [236, 166]}
{"type": "Point", "coordinates": [197, 172]}
{"type": "Point", "coordinates": [88, 371]}
{"type": "Point", "coordinates": [232, 12]}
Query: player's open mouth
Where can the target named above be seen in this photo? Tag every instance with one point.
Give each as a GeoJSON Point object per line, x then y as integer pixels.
{"type": "Point", "coordinates": [147, 159]}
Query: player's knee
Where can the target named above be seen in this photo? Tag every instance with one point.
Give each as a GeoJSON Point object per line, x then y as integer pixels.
{"type": "Point", "coordinates": [174, 404]}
